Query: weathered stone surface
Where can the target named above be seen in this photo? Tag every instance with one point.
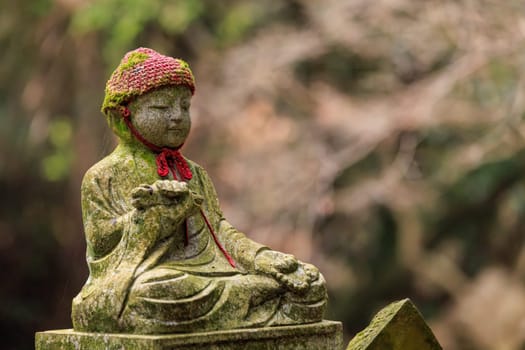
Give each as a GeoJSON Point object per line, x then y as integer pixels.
{"type": "Point", "coordinates": [162, 258]}
{"type": "Point", "coordinates": [319, 336]}
{"type": "Point", "coordinates": [399, 326]}
{"type": "Point", "coordinates": [166, 269]}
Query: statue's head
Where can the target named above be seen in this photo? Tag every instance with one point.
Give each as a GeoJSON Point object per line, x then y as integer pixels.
{"type": "Point", "coordinates": [148, 97]}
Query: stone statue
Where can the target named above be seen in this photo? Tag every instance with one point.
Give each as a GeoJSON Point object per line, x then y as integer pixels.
{"type": "Point", "coordinates": [162, 258]}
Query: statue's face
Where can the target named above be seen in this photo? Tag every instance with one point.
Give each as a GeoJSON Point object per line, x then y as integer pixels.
{"type": "Point", "coordinates": [163, 116]}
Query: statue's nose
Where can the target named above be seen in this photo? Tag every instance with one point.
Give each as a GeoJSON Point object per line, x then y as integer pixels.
{"type": "Point", "coordinates": [175, 116]}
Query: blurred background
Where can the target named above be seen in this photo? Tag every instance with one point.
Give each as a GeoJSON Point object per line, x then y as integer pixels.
{"type": "Point", "coordinates": [382, 141]}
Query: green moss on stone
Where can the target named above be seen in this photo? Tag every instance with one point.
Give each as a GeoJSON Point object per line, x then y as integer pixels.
{"type": "Point", "coordinates": [326, 335]}
{"type": "Point", "coordinates": [115, 99]}
{"type": "Point", "coordinates": [133, 59]}
{"type": "Point", "coordinates": [399, 326]}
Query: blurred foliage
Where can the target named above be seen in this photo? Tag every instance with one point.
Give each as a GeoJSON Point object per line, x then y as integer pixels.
{"type": "Point", "coordinates": [124, 22]}
{"type": "Point", "coordinates": [56, 165]}
{"type": "Point", "coordinates": [382, 141]}
{"type": "Point", "coordinates": [338, 67]}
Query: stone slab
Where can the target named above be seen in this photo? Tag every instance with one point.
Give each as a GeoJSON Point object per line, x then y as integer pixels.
{"type": "Point", "coordinates": [398, 326]}
{"type": "Point", "coordinates": [325, 335]}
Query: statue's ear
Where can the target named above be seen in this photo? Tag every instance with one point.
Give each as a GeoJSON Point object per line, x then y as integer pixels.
{"type": "Point", "coordinates": [117, 124]}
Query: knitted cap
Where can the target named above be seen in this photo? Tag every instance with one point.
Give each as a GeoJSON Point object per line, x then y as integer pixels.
{"type": "Point", "coordinates": [142, 70]}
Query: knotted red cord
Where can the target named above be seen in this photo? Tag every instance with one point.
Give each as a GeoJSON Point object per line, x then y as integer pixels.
{"type": "Point", "coordinates": [168, 159]}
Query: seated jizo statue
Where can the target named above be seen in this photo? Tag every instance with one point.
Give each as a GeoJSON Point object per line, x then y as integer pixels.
{"type": "Point", "coordinates": [162, 258]}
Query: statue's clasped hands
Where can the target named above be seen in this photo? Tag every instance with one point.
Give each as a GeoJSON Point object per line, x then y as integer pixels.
{"type": "Point", "coordinates": [163, 192]}
{"type": "Point", "coordinates": [287, 270]}
{"type": "Point", "coordinates": [168, 201]}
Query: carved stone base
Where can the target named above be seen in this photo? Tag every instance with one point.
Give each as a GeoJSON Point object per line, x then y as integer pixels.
{"type": "Point", "coordinates": [325, 335]}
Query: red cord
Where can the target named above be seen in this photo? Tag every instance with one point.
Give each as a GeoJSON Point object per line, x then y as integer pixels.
{"type": "Point", "coordinates": [226, 255]}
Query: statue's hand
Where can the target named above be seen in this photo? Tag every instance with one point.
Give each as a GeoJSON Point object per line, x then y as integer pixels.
{"type": "Point", "coordinates": [169, 199]}
{"type": "Point", "coordinates": [164, 205]}
{"type": "Point", "coordinates": [286, 269]}
{"type": "Point", "coordinates": [143, 197]}
{"type": "Point", "coordinates": [161, 192]}
{"type": "Point", "coordinates": [171, 190]}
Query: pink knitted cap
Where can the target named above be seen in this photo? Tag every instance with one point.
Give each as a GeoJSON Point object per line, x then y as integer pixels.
{"type": "Point", "coordinates": [142, 70]}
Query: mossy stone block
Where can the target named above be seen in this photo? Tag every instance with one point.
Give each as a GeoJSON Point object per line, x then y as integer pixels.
{"type": "Point", "coordinates": [325, 335]}
{"type": "Point", "coordinates": [399, 326]}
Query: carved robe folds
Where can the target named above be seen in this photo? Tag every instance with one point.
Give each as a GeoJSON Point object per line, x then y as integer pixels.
{"type": "Point", "coordinates": [143, 282]}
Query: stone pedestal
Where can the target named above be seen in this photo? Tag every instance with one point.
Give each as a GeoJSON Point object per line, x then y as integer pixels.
{"type": "Point", "coordinates": [325, 335]}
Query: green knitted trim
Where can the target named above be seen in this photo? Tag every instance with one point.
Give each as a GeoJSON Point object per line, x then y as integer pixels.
{"type": "Point", "coordinates": [116, 99]}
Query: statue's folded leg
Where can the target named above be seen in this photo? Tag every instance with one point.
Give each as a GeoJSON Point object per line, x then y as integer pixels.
{"type": "Point", "coordinates": [165, 300]}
